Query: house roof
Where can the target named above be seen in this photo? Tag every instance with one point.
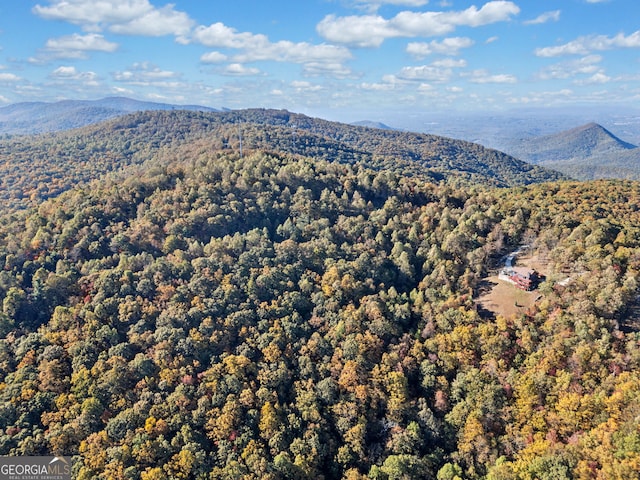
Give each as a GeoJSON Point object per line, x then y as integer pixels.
{"type": "Point", "coordinates": [523, 271]}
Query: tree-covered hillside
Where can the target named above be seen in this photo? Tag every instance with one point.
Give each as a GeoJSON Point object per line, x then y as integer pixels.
{"type": "Point", "coordinates": [277, 316]}
{"type": "Point", "coordinates": [34, 168]}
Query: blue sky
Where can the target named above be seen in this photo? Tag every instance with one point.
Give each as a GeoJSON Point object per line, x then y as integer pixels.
{"type": "Point", "coordinates": [333, 58]}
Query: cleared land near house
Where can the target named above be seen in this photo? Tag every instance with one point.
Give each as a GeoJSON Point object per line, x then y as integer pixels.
{"type": "Point", "coordinates": [503, 298]}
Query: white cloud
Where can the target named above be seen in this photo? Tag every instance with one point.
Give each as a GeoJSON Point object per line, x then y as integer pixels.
{"type": "Point", "coordinates": [358, 31]}
{"type": "Point", "coordinates": [77, 46]}
{"type": "Point", "coordinates": [70, 73]}
{"type": "Point", "coordinates": [450, 63]}
{"type": "Point", "coordinates": [408, 3]}
{"type": "Point", "coordinates": [237, 69]}
{"type": "Point", "coordinates": [373, 30]}
{"type": "Point", "coordinates": [378, 87]}
{"type": "Point", "coordinates": [64, 72]}
{"type": "Point", "coordinates": [133, 17]}
{"type": "Point", "coordinates": [302, 86]}
{"type": "Point", "coordinates": [93, 12]}
{"type": "Point", "coordinates": [121, 91]}
{"type": "Point", "coordinates": [373, 5]}
{"type": "Point", "coordinates": [286, 51]}
{"type": "Point", "coordinates": [587, 44]}
{"type": "Point", "coordinates": [316, 59]}
{"type": "Point", "coordinates": [426, 88]}
{"type": "Point", "coordinates": [91, 41]}
{"type": "Point", "coordinates": [441, 71]}
{"type": "Point", "coordinates": [544, 98]}
{"type": "Point", "coordinates": [146, 74]}
{"type": "Point", "coordinates": [213, 57]}
{"type": "Point", "coordinates": [482, 76]}
{"type": "Point", "coordinates": [9, 77]}
{"type": "Point", "coordinates": [332, 69]}
{"type": "Point", "coordinates": [156, 23]}
{"type": "Point", "coordinates": [428, 73]}
{"type": "Point", "coordinates": [403, 3]}
{"type": "Point", "coordinates": [218, 35]}
{"type": "Point", "coordinates": [150, 81]}
{"type": "Point", "coordinates": [552, 16]}
{"type": "Point", "coordinates": [448, 46]}
{"type": "Point", "coordinates": [258, 47]}
{"type": "Point", "coordinates": [4, 99]}
{"type": "Point", "coordinates": [393, 82]}
{"type": "Point", "coordinates": [628, 78]}
{"type": "Point", "coordinates": [598, 78]}
{"type": "Point", "coordinates": [584, 66]}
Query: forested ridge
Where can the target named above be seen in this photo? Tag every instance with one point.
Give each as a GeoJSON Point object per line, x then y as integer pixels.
{"type": "Point", "coordinates": [34, 168]}
{"type": "Point", "coordinates": [276, 315]}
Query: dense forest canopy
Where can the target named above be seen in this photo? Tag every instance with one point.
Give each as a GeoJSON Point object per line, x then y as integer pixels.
{"type": "Point", "coordinates": [277, 315]}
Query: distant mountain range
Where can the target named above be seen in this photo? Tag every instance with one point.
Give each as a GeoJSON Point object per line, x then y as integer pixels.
{"type": "Point", "coordinates": [585, 153]}
{"type": "Point", "coordinates": [500, 130]}
{"type": "Point", "coordinates": [372, 124]}
{"type": "Point", "coordinates": [41, 117]}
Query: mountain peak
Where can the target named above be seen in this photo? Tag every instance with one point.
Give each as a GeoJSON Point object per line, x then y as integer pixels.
{"type": "Point", "coordinates": [596, 135]}
{"type": "Point", "coordinates": [372, 124]}
{"type": "Point", "coordinates": [585, 152]}
{"type": "Point", "coordinates": [579, 143]}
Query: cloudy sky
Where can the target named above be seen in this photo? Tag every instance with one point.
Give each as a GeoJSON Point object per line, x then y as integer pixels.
{"type": "Point", "coordinates": [324, 56]}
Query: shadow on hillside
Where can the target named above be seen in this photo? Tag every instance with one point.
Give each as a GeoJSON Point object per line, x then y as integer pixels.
{"type": "Point", "coordinates": [484, 288]}
{"type": "Point", "coordinates": [631, 322]}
